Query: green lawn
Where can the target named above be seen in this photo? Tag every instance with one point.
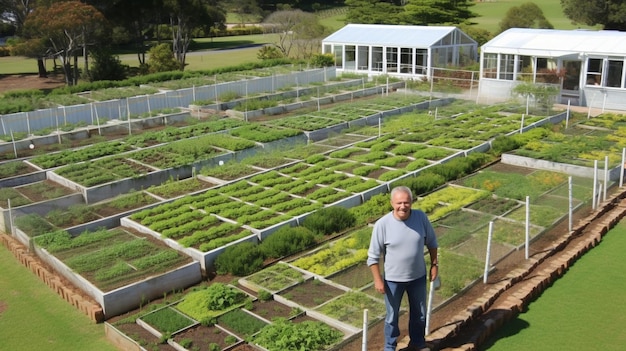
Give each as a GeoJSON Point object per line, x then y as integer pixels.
{"type": "Point", "coordinates": [584, 310]}
{"type": "Point", "coordinates": [33, 317]}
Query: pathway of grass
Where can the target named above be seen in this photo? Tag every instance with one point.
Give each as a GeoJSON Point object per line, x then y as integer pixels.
{"type": "Point", "coordinates": [33, 317]}
{"type": "Point", "coordinates": [583, 310]}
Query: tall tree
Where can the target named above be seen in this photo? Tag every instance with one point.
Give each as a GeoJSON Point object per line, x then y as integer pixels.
{"type": "Point", "coordinates": [372, 12]}
{"type": "Point", "coordinates": [67, 26]}
{"type": "Point", "coordinates": [295, 28]}
{"type": "Point", "coordinates": [611, 14]}
{"type": "Point", "coordinates": [419, 12]}
{"type": "Point", "coordinates": [425, 12]}
{"type": "Point", "coordinates": [187, 15]}
{"type": "Point", "coordinates": [527, 15]}
{"type": "Point", "coordinates": [15, 12]}
{"type": "Point", "coordinates": [245, 9]}
{"type": "Point", "coordinates": [136, 18]}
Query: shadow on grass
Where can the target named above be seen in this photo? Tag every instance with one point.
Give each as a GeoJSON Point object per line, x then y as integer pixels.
{"type": "Point", "coordinates": [510, 328]}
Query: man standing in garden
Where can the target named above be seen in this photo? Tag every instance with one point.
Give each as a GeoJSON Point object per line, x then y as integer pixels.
{"type": "Point", "coordinates": [398, 239]}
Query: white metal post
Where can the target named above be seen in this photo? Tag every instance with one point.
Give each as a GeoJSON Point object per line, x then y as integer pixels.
{"type": "Point", "coordinates": [521, 126]}
{"type": "Point", "coordinates": [487, 258]}
{"type": "Point", "coordinates": [364, 339]}
{"type": "Point", "coordinates": [570, 205]}
{"type": "Point", "coordinates": [429, 308]}
{"type": "Point", "coordinates": [621, 171]}
{"type": "Point", "coordinates": [13, 141]}
{"type": "Point", "coordinates": [527, 226]}
{"type": "Point", "coordinates": [567, 115]}
{"type": "Point", "coordinates": [606, 177]}
{"type": "Point", "coordinates": [595, 184]}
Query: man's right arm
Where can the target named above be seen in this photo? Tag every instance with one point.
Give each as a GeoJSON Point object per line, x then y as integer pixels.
{"type": "Point", "coordinates": [379, 284]}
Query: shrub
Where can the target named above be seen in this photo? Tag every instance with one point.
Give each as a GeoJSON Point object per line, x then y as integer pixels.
{"type": "Point", "coordinates": [286, 241]}
{"type": "Point", "coordinates": [502, 144]}
{"type": "Point", "coordinates": [269, 53]}
{"type": "Point", "coordinates": [161, 59]}
{"type": "Point", "coordinates": [329, 220]}
{"type": "Point", "coordinates": [240, 260]}
{"type": "Point", "coordinates": [423, 183]}
{"type": "Point", "coordinates": [322, 60]}
{"type": "Point", "coordinates": [264, 295]}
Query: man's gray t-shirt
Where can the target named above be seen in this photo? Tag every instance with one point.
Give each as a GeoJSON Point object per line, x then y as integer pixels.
{"type": "Point", "coordinates": [401, 244]}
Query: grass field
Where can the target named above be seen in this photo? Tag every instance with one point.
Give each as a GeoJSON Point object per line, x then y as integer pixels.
{"type": "Point", "coordinates": [33, 317]}
{"type": "Point", "coordinates": [584, 310]}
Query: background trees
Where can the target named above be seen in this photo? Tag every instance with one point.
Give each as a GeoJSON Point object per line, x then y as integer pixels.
{"type": "Point", "coordinates": [68, 28]}
{"type": "Point", "coordinates": [527, 15]}
{"type": "Point", "coordinates": [296, 28]}
{"type": "Point", "coordinates": [611, 14]}
{"type": "Point", "coordinates": [417, 12]}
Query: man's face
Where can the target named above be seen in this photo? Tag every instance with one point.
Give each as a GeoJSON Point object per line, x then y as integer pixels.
{"type": "Point", "coordinates": [401, 203]}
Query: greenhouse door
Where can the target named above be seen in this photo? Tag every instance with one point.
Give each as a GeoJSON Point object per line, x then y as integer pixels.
{"type": "Point", "coordinates": [570, 84]}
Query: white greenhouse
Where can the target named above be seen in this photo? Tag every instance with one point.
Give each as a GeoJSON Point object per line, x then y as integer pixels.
{"type": "Point", "coordinates": [399, 50]}
{"type": "Point", "coordinates": [586, 66]}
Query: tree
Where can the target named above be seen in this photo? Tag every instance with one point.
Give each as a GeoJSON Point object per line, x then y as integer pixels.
{"type": "Point", "coordinates": [68, 27]}
{"type": "Point", "coordinates": [611, 14]}
{"type": "Point", "coordinates": [425, 12]}
{"type": "Point", "coordinates": [162, 59]}
{"type": "Point", "coordinates": [418, 12]}
{"type": "Point", "coordinates": [245, 9]}
{"type": "Point", "coordinates": [187, 15]}
{"type": "Point", "coordinates": [295, 27]}
{"type": "Point", "coordinates": [16, 11]}
{"type": "Point", "coordinates": [527, 15]}
{"type": "Point", "coordinates": [135, 18]}
{"type": "Point", "coordinates": [372, 11]}
{"type": "Point", "coordinates": [106, 66]}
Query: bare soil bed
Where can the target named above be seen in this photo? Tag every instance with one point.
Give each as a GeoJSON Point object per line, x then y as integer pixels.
{"type": "Point", "coordinates": [29, 81]}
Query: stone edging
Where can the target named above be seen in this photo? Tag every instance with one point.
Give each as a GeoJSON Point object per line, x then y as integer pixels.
{"type": "Point", "coordinates": [528, 281]}
{"type": "Point", "coordinates": [70, 294]}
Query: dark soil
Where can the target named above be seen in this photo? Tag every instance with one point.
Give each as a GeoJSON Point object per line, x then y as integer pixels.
{"type": "Point", "coordinates": [270, 310]}
{"type": "Point", "coordinates": [311, 293]}
{"type": "Point", "coordinates": [202, 337]}
{"type": "Point", "coordinates": [144, 337]}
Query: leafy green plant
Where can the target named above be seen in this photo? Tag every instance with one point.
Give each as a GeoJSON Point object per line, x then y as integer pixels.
{"type": "Point", "coordinates": [241, 322]}
{"type": "Point", "coordinates": [329, 220]}
{"type": "Point", "coordinates": [286, 335]}
{"type": "Point", "coordinates": [286, 241]}
{"type": "Point", "coordinates": [240, 259]}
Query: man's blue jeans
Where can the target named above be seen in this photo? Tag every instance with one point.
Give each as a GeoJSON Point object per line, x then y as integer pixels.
{"type": "Point", "coordinates": [416, 293]}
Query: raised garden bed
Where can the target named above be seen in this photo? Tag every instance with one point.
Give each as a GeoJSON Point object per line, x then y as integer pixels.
{"type": "Point", "coordinates": [205, 338]}
{"type": "Point", "coordinates": [311, 293]}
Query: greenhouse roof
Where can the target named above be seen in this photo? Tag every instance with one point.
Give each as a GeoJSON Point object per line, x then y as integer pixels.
{"type": "Point", "coordinates": [557, 43]}
{"type": "Point", "coordinates": [390, 35]}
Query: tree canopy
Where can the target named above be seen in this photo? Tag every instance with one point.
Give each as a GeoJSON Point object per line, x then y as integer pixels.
{"type": "Point", "coordinates": [527, 15]}
{"type": "Point", "coordinates": [416, 12]}
{"type": "Point", "coordinates": [610, 14]}
{"type": "Point", "coordinates": [67, 27]}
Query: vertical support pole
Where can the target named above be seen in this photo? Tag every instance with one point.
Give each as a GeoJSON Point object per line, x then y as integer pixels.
{"type": "Point", "coordinates": [364, 338]}
{"type": "Point", "coordinates": [567, 114]}
{"type": "Point", "coordinates": [13, 141]}
{"type": "Point", "coordinates": [488, 255]}
{"type": "Point", "coordinates": [527, 227]}
{"type": "Point", "coordinates": [621, 172]}
{"type": "Point", "coordinates": [570, 207]}
{"type": "Point", "coordinates": [606, 177]}
{"type": "Point", "coordinates": [521, 126]}
{"type": "Point", "coordinates": [595, 184]}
